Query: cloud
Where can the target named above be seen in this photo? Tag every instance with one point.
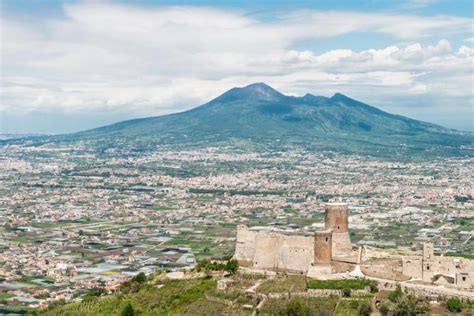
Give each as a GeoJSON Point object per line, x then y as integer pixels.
{"type": "Point", "coordinates": [134, 61]}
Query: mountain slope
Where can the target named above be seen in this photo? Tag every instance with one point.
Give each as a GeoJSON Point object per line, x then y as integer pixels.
{"type": "Point", "coordinates": [259, 113]}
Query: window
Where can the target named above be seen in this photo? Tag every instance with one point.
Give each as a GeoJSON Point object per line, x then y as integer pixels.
{"type": "Point", "coordinates": [464, 278]}
{"type": "Point", "coordinates": [327, 239]}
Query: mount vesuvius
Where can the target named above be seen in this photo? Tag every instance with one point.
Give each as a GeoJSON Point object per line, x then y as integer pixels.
{"type": "Point", "coordinates": [259, 114]}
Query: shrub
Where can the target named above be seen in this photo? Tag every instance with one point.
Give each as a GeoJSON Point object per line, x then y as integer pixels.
{"type": "Point", "coordinates": [232, 266]}
{"type": "Point", "coordinates": [128, 310]}
{"type": "Point", "coordinates": [139, 278]}
{"type": "Point", "coordinates": [365, 309]}
{"type": "Point", "coordinates": [92, 295]}
{"type": "Point", "coordinates": [55, 304]}
{"type": "Point", "coordinates": [296, 307]}
{"type": "Point", "coordinates": [396, 295]}
{"type": "Point", "coordinates": [374, 288]}
{"type": "Point", "coordinates": [384, 310]}
{"type": "Point", "coordinates": [346, 292]}
{"type": "Point", "coordinates": [406, 307]}
{"type": "Point", "coordinates": [454, 305]}
{"type": "Point", "coordinates": [423, 308]}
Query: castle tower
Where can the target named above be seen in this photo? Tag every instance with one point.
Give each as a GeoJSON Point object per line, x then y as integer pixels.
{"type": "Point", "coordinates": [337, 220]}
{"type": "Point", "coordinates": [428, 262]}
{"type": "Point", "coordinates": [323, 247]}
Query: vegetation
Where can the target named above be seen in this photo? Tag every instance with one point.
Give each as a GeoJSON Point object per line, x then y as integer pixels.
{"type": "Point", "coordinates": [206, 265]}
{"type": "Point", "coordinates": [291, 283]}
{"type": "Point", "coordinates": [128, 310]}
{"type": "Point", "coordinates": [346, 292]}
{"type": "Point", "coordinates": [300, 306]}
{"type": "Point", "coordinates": [353, 306]}
{"type": "Point", "coordinates": [396, 295]}
{"type": "Point", "coordinates": [384, 309]}
{"type": "Point", "coordinates": [406, 307]}
{"type": "Point", "coordinates": [174, 297]}
{"type": "Point", "coordinates": [365, 309]}
{"type": "Point", "coordinates": [358, 284]}
{"type": "Point", "coordinates": [454, 305]}
{"type": "Point", "coordinates": [462, 255]}
{"type": "Point", "coordinates": [139, 278]}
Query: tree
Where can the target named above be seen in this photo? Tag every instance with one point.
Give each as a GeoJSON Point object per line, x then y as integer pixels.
{"type": "Point", "coordinates": [128, 310]}
{"type": "Point", "coordinates": [454, 305]}
{"type": "Point", "coordinates": [139, 278]}
{"type": "Point", "coordinates": [232, 266]}
{"type": "Point", "coordinates": [365, 309]}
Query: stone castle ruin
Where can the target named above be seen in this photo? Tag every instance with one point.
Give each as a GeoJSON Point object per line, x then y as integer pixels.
{"type": "Point", "coordinates": [441, 270]}
{"type": "Point", "coordinates": [327, 251]}
{"type": "Point", "coordinates": [276, 251]}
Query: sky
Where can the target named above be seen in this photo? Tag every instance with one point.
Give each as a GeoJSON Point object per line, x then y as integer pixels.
{"type": "Point", "coordinates": [73, 65]}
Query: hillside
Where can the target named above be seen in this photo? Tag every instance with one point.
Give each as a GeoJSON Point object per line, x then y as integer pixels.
{"type": "Point", "coordinates": [258, 114]}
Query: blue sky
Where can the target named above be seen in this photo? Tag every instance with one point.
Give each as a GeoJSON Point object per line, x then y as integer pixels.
{"type": "Point", "coordinates": [73, 65]}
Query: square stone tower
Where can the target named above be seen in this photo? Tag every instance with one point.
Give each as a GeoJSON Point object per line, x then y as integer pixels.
{"type": "Point", "coordinates": [337, 220]}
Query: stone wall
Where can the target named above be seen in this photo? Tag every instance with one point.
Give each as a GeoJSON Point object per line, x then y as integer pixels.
{"type": "Point", "coordinates": [431, 268]}
{"type": "Point", "coordinates": [412, 267]}
{"type": "Point", "coordinates": [273, 250]}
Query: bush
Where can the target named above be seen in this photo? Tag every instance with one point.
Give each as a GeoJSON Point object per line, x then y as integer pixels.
{"type": "Point", "coordinates": [423, 308]}
{"type": "Point", "coordinates": [454, 305]}
{"type": "Point", "coordinates": [384, 310]}
{"type": "Point", "coordinates": [128, 310]}
{"type": "Point", "coordinates": [365, 309]}
{"type": "Point", "coordinates": [129, 287]}
{"type": "Point", "coordinates": [406, 307]}
{"type": "Point", "coordinates": [57, 303]}
{"type": "Point", "coordinates": [139, 278]}
{"type": "Point", "coordinates": [396, 295]}
{"type": "Point", "coordinates": [346, 292]}
{"type": "Point", "coordinates": [296, 307]}
{"type": "Point", "coordinates": [374, 288]}
{"type": "Point", "coordinates": [232, 266]}
{"type": "Point", "coordinates": [92, 295]}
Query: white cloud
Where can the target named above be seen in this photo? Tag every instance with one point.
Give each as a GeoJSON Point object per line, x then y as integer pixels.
{"type": "Point", "coordinates": [114, 58]}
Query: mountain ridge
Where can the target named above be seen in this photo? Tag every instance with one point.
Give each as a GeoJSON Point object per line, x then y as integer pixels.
{"type": "Point", "coordinates": [260, 114]}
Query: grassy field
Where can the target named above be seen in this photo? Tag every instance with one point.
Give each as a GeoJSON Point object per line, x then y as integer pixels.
{"type": "Point", "coordinates": [339, 284]}
{"type": "Point", "coordinates": [350, 306]}
{"type": "Point", "coordinates": [291, 283]}
{"type": "Point", "coordinates": [322, 306]}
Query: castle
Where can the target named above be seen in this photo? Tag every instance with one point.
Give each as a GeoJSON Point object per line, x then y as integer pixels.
{"type": "Point", "coordinates": [442, 270]}
{"type": "Point", "coordinates": [317, 255]}
{"type": "Point", "coordinates": [264, 250]}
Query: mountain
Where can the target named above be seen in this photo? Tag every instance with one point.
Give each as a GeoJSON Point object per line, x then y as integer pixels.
{"type": "Point", "coordinates": [258, 114]}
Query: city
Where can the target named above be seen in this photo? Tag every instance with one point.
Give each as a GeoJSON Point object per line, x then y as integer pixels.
{"type": "Point", "coordinates": [99, 219]}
